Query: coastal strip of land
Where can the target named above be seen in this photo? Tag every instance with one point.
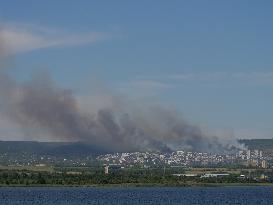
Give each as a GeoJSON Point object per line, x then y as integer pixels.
{"type": "Point", "coordinates": [94, 177]}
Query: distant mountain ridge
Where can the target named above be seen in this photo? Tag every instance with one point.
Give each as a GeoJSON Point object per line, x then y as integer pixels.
{"type": "Point", "coordinates": [261, 144]}
{"type": "Point", "coordinates": [50, 148]}
{"type": "Point", "coordinates": [84, 149]}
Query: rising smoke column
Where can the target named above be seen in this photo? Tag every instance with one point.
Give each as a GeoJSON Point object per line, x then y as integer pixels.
{"type": "Point", "coordinates": [40, 106]}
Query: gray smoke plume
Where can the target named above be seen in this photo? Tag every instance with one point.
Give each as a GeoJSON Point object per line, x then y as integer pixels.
{"type": "Point", "coordinates": [40, 106]}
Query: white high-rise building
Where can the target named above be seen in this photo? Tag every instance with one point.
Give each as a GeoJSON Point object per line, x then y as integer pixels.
{"type": "Point", "coordinates": [256, 153]}
{"type": "Point", "coordinates": [261, 154]}
{"type": "Point", "coordinates": [248, 154]}
{"type": "Point", "coordinates": [106, 169]}
{"type": "Point", "coordinates": [264, 164]}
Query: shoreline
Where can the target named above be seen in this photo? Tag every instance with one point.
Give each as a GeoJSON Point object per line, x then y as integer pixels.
{"type": "Point", "coordinates": [142, 185]}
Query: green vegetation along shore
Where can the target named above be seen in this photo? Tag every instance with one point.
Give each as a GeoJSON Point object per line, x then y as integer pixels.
{"type": "Point", "coordinates": [49, 176]}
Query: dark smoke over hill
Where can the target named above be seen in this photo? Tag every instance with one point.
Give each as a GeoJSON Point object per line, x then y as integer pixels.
{"type": "Point", "coordinates": [56, 149]}
{"type": "Point", "coordinates": [43, 106]}
{"type": "Point", "coordinates": [40, 106]}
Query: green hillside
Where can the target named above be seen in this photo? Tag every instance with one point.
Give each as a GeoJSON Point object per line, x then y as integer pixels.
{"type": "Point", "coordinates": [261, 144]}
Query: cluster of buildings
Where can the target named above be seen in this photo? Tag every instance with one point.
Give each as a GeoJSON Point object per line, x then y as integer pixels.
{"type": "Point", "coordinates": [184, 159]}
{"type": "Point", "coordinates": [255, 158]}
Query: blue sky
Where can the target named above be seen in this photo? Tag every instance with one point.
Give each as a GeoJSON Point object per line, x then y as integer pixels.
{"type": "Point", "coordinates": [212, 60]}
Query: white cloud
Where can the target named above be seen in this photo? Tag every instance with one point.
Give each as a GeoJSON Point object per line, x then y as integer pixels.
{"type": "Point", "coordinates": [204, 76]}
{"type": "Point", "coordinates": [241, 77]}
{"type": "Point", "coordinates": [149, 84]}
{"type": "Point", "coordinates": [143, 89]}
{"type": "Point", "coordinates": [18, 38]}
{"type": "Point", "coordinates": [257, 77]}
{"type": "Point", "coordinates": [185, 76]}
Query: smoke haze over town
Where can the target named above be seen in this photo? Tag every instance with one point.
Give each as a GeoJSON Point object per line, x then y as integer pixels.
{"type": "Point", "coordinates": [41, 107]}
{"type": "Point", "coordinates": [121, 86]}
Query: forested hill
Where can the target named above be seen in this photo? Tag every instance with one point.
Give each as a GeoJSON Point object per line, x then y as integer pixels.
{"type": "Point", "coordinates": [49, 148]}
{"type": "Point", "coordinates": [261, 144]}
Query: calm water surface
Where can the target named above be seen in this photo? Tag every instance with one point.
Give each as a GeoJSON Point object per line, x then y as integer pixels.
{"type": "Point", "coordinates": [132, 196]}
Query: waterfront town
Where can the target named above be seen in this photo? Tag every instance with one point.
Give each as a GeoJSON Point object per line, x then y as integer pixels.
{"type": "Point", "coordinates": [246, 158]}
{"type": "Point", "coordinates": [252, 158]}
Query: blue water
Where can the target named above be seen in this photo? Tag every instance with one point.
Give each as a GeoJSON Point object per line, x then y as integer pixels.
{"type": "Point", "coordinates": [132, 196]}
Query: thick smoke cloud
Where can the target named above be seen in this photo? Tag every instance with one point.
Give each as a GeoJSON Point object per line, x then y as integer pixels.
{"type": "Point", "coordinates": [40, 106]}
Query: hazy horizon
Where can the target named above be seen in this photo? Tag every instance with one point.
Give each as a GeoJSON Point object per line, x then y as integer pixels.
{"type": "Point", "coordinates": [136, 75]}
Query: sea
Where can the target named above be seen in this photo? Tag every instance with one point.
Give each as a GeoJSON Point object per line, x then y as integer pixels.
{"type": "Point", "coordinates": [136, 196]}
